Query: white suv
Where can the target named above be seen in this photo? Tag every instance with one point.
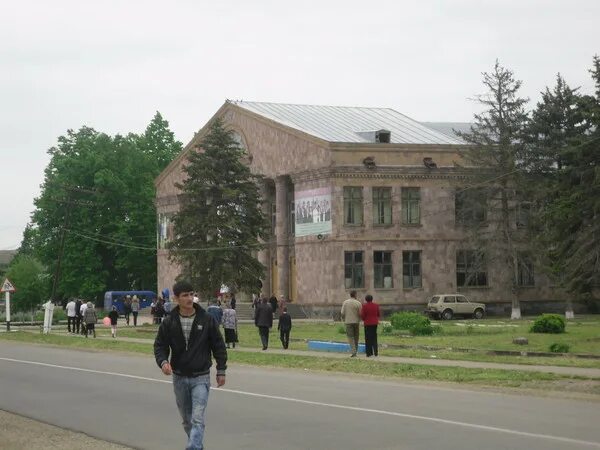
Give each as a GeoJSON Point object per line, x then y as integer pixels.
{"type": "Point", "coordinates": [446, 306]}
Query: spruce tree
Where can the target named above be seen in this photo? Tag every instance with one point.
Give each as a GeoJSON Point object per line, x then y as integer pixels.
{"type": "Point", "coordinates": [571, 212]}
{"type": "Point", "coordinates": [489, 199]}
{"type": "Point", "coordinates": [556, 124]}
{"type": "Point", "coordinates": [220, 220]}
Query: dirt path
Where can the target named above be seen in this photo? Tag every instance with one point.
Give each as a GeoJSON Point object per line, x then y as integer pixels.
{"type": "Point", "coordinates": [17, 433]}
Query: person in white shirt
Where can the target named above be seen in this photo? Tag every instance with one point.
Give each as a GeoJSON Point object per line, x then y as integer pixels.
{"type": "Point", "coordinates": [351, 315]}
{"type": "Point", "coordinates": [82, 313]}
{"type": "Point", "coordinates": [71, 314]}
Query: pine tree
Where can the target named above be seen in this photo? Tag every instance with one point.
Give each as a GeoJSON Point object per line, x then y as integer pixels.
{"type": "Point", "coordinates": [571, 213]}
{"type": "Point", "coordinates": [220, 220]}
{"type": "Point", "coordinates": [556, 124]}
{"type": "Point", "coordinates": [494, 152]}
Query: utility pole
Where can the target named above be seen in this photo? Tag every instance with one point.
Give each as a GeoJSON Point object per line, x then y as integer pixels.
{"type": "Point", "coordinates": [61, 248]}
{"type": "Point", "coordinates": [70, 202]}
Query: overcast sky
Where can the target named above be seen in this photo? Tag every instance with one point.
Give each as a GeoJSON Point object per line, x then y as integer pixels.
{"type": "Point", "coordinates": [112, 64]}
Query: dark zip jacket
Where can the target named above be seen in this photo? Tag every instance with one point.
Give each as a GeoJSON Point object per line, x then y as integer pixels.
{"type": "Point", "coordinates": [195, 358]}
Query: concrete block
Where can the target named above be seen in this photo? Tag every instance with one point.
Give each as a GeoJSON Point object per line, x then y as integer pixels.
{"type": "Point", "coordinates": [325, 346]}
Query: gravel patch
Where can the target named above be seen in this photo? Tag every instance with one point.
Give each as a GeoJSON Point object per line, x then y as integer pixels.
{"type": "Point", "coordinates": [18, 432]}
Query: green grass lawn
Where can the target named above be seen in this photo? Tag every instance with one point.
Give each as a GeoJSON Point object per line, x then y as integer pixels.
{"type": "Point", "coordinates": [583, 336]}
{"type": "Point", "coordinates": [496, 378]}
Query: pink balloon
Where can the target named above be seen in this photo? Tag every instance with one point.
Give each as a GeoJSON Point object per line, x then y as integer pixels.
{"type": "Point", "coordinates": [106, 321]}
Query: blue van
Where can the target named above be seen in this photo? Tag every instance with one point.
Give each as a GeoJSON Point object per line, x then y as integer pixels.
{"type": "Point", "coordinates": [116, 298]}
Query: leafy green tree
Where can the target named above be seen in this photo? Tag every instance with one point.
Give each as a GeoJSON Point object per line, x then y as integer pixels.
{"type": "Point", "coordinates": [220, 221]}
{"type": "Point", "coordinates": [94, 225]}
{"type": "Point", "coordinates": [488, 202]}
{"type": "Point", "coordinates": [159, 143]}
{"type": "Point", "coordinates": [570, 215]}
{"type": "Point", "coordinates": [557, 123]}
{"type": "Point", "coordinates": [32, 282]}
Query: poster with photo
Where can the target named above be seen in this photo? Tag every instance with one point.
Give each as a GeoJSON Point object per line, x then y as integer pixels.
{"type": "Point", "coordinates": [313, 212]}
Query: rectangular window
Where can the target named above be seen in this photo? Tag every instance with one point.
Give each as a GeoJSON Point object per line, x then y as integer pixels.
{"type": "Point", "coordinates": [411, 205]}
{"type": "Point", "coordinates": [411, 269]}
{"type": "Point", "coordinates": [273, 218]}
{"type": "Point", "coordinates": [291, 217]}
{"type": "Point", "coordinates": [353, 205]}
{"type": "Point", "coordinates": [353, 270]}
{"type": "Point", "coordinates": [470, 268]}
{"type": "Point", "coordinates": [470, 207]}
{"type": "Point", "coordinates": [382, 206]}
{"type": "Point", "coordinates": [382, 266]}
{"type": "Point", "coordinates": [165, 229]}
{"type": "Point", "coordinates": [525, 275]}
{"type": "Point", "coordinates": [523, 214]}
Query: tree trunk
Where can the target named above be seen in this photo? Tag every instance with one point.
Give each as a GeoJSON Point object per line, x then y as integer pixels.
{"type": "Point", "coordinates": [569, 314]}
{"type": "Point", "coordinates": [511, 257]}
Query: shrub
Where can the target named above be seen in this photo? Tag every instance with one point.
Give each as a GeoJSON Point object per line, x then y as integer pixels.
{"type": "Point", "coordinates": [422, 329]}
{"type": "Point", "coordinates": [405, 320]}
{"type": "Point", "coordinates": [387, 328]}
{"type": "Point", "coordinates": [559, 347]}
{"type": "Point", "coordinates": [548, 323]}
{"type": "Point", "coordinates": [415, 323]}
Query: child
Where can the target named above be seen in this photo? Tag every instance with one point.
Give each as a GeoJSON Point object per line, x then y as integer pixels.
{"type": "Point", "coordinates": [113, 316]}
{"type": "Point", "coordinates": [284, 326]}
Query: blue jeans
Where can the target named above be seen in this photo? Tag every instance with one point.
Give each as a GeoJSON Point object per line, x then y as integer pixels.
{"type": "Point", "coordinates": [191, 394]}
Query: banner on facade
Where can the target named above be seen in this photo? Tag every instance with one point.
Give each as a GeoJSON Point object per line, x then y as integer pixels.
{"type": "Point", "coordinates": [313, 212]}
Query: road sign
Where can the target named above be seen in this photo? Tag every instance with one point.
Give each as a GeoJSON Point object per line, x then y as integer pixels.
{"type": "Point", "coordinates": [7, 286]}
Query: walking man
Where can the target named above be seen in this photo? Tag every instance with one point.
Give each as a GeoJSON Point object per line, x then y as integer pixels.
{"type": "Point", "coordinates": [351, 316]}
{"type": "Point", "coordinates": [71, 315]}
{"type": "Point", "coordinates": [189, 335]}
{"type": "Point", "coordinates": [78, 316]}
{"type": "Point", "coordinates": [127, 308]}
{"type": "Point", "coordinates": [284, 326]}
{"type": "Point", "coordinates": [263, 319]}
{"type": "Point", "coordinates": [370, 314]}
{"type": "Point", "coordinates": [82, 311]}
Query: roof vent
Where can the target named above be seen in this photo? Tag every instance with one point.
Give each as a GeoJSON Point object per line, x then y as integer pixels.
{"type": "Point", "coordinates": [369, 162]}
{"type": "Point", "coordinates": [383, 136]}
{"type": "Point", "coordinates": [379, 136]}
{"type": "Point", "coordinates": [429, 163]}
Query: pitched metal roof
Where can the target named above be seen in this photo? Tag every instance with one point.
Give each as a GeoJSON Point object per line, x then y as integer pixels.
{"type": "Point", "coordinates": [349, 124]}
{"type": "Point", "coordinates": [449, 128]}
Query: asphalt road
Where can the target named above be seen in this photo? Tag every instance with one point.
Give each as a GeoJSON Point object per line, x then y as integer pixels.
{"type": "Point", "coordinates": [125, 399]}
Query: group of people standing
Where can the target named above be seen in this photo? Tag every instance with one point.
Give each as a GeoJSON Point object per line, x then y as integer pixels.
{"type": "Point", "coordinates": [159, 308]}
{"type": "Point", "coordinates": [225, 315]}
{"type": "Point", "coordinates": [81, 317]}
{"type": "Point", "coordinates": [264, 312]}
{"type": "Point", "coordinates": [353, 312]}
{"type": "Point", "coordinates": [131, 307]}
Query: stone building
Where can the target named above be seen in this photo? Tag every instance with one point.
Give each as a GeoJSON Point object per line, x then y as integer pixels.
{"type": "Point", "coordinates": [360, 198]}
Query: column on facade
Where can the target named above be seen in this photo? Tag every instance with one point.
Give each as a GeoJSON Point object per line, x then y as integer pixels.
{"type": "Point", "coordinates": [281, 235]}
{"type": "Point", "coordinates": [264, 255]}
